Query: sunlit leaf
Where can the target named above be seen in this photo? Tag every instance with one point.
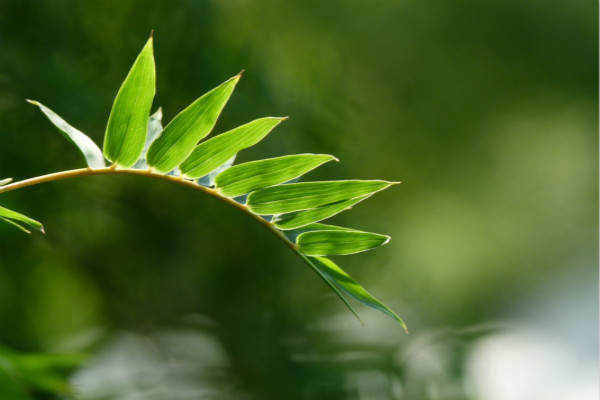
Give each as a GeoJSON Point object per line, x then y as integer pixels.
{"type": "Point", "coordinates": [5, 181]}
{"type": "Point", "coordinates": [301, 218]}
{"type": "Point", "coordinates": [92, 153]}
{"type": "Point", "coordinates": [128, 120]}
{"type": "Point", "coordinates": [336, 275]}
{"type": "Point", "coordinates": [306, 195]}
{"type": "Point", "coordinates": [181, 135]}
{"type": "Point", "coordinates": [17, 219]}
{"type": "Point", "coordinates": [255, 175]}
{"type": "Point", "coordinates": [214, 152]}
{"type": "Point", "coordinates": [338, 242]}
{"type": "Point", "coordinates": [155, 128]}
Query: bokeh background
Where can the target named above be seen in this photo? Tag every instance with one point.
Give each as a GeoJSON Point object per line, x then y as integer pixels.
{"type": "Point", "coordinates": [486, 111]}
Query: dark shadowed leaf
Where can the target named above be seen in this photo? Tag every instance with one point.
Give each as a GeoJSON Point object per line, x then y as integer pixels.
{"type": "Point", "coordinates": [181, 135]}
{"type": "Point", "coordinates": [255, 175]}
{"type": "Point", "coordinates": [128, 120]}
{"type": "Point", "coordinates": [303, 196]}
{"type": "Point", "coordinates": [214, 152]}
{"type": "Point", "coordinates": [342, 280]}
{"type": "Point", "coordinates": [92, 153]}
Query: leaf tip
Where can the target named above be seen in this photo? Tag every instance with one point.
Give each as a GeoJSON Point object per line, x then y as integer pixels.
{"type": "Point", "coordinates": [151, 35]}
{"type": "Point", "coordinates": [284, 118]}
{"type": "Point", "coordinates": [239, 75]}
{"type": "Point", "coordinates": [387, 240]}
{"type": "Point", "coordinates": [35, 103]}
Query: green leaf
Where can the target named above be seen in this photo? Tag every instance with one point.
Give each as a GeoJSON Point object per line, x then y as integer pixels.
{"type": "Point", "coordinates": [128, 120]}
{"type": "Point", "coordinates": [335, 274]}
{"type": "Point", "coordinates": [209, 179]}
{"type": "Point", "coordinates": [250, 176]}
{"type": "Point", "coordinates": [92, 153]}
{"type": "Point", "coordinates": [303, 196]}
{"type": "Point", "coordinates": [209, 155]}
{"type": "Point", "coordinates": [181, 135]}
{"type": "Point", "coordinates": [155, 128]}
{"type": "Point", "coordinates": [16, 219]}
{"type": "Point", "coordinates": [5, 181]}
{"type": "Point", "coordinates": [299, 219]}
{"type": "Point", "coordinates": [338, 242]}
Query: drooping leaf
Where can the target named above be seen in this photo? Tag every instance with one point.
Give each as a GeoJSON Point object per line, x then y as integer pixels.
{"type": "Point", "coordinates": [209, 179]}
{"type": "Point", "coordinates": [154, 130]}
{"type": "Point", "coordinates": [306, 195]}
{"type": "Point", "coordinates": [92, 153]}
{"type": "Point", "coordinates": [214, 152]}
{"type": "Point", "coordinates": [341, 279]}
{"type": "Point", "coordinates": [181, 135]}
{"type": "Point", "coordinates": [5, 181]}
{"type": "Point", "coordinates": [254, 175]}
{"type": "Point", "coordinates": [293, 234]}
{"type": "Point", "coordinates": [128, 120]}
{"type": "Point", "coordinates": [338, 242]}
{"type": "Point", "coordinates": [18, 219]}
{"type": "Point", "coordinates": [299, 219]}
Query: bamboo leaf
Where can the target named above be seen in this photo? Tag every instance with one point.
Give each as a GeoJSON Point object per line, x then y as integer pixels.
{"type": "Point", "coordinates": [18, 219]}
{"type": "Point", "coordinates": [338, 242]}
{"type": "Point", "coordinates": [92, 153]}
{"type": "Point", "coordinates": [155, 128]}
{"type": "Point", "coordinates": [303, 196]}
{"type": "Point", "coordinates": [5, 181]}
{"type": "Point", "coordinates": [181, 135]}
{"type": "Point", "coordinates": [128, 120]}
{"type": "Point", "coordinates": [209, 179]}
{"type": "Point", "coordinates": [214, 152]}
{"type": "Point", "coordinates": [250, 176]}
{"type": "Point", "coordinates": [341, 279]}
{"type": "Point", "coordinates": [292, 235]}
{"type": "Point", "coordinates": [299, 219]}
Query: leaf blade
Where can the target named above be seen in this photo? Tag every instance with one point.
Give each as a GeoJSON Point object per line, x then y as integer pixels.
{"type": "Point", "coordinates": [180, 136]}
{"type": "Point", "coordinates": [155, 128]}
{"type": "Point", "coordinates": [299, 219]}
{"type": "Point", "coordinates": [86, 146]}
{"type": "Point", "coordinates": [15, 217]}
{"type": "Point", "coordinates": [254, 175]}
{"type": "Point", "coordinates": [303, 196]}
{"type": "Point", "coordinates": [128, 121]}
{"type": "Point", "coordinates": [209, 155]}
{"type": "Point", "coordinates": [341, 279]}
{"type": "Point", "coordinates": [338, 242]}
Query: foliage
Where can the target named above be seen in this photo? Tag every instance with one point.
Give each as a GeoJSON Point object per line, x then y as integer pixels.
{"type": "Point", "coordinates": [135, 144]}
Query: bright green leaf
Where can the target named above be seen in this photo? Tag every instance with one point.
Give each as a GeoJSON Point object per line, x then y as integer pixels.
{"type": "Point", "coordinates": [335, 274]}
{"type": "Point", "coordinates": [338, 242]}
{"type": "Point", "coordinates": [181, 135]}
{"type": "Point", "coordinates": [299, 219]}
{"type": "Point", "coordinates": [245, 178]}
{"type": "Point", "coordinates": [92, 153]}
{"type": "Point", "coordinates": [128, 120]}
{"type": "Point", "coordinates": [15, 218]}
{"type": "Point", "coordinates": [209, 155]}
{"type": "Point", "coordinates": [303, 196]}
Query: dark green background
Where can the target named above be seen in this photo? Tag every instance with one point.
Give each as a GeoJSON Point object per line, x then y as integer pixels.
{"type": "Point", "coordinates": [486, 111]}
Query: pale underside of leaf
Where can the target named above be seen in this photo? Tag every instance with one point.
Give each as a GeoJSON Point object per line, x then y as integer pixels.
{"type": "Point", "coordinates": [128, 120]}
{"type": "Point", "coordinates": [5, 181]}
{"type": "Point", "coordinates": [154, 130]}
{"type": "Point", "coordinates": [86, 146]}
{"type": "Point", "coordinates": [18, 219]}
{"type": "Point", "coordinates": [180, 136]}
{"type": "Point", "coordinates": [338, 242]}
{"type": "Point", "coordinates": [299, 219]}
{"type": "Point", "coordinates": [209, 179]}
{"type": "Point", "coordinates": [214, 152]}
{"type": "Point", "coordinates": [342, 280]}
{"type": "Point", "coordinates": [303, 196]}
{"type": "Point", "coordinates": [254, 175]}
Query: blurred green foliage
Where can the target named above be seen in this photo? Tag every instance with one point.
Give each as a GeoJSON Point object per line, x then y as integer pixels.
{"type": "Point", "coordinates": [486, 111]}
